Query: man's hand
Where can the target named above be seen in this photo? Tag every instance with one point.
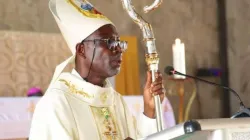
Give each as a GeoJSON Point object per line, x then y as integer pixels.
{"type": "Point", "coordinates": [151, 89]}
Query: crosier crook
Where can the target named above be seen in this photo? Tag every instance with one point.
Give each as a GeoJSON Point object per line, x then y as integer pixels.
{"type": "Point", "coordinates": [152, 58]}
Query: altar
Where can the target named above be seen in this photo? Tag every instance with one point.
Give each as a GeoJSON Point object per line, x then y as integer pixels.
{"type": "Point", "coordinates": [16, 114]}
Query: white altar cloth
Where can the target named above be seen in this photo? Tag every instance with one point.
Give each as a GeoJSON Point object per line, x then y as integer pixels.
{"type": "Point", "coordinates": [16, 114]}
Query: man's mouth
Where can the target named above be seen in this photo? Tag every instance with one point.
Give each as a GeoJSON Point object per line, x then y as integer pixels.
{"type": "Point", "coordinates": [117, 62]}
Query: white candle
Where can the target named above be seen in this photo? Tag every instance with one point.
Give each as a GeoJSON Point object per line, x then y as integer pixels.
{"type": "Point", "coordinates": [179, 58]}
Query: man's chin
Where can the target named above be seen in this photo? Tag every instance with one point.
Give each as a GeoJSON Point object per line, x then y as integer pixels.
{"type": "Point", "coordinates": [114, 72]}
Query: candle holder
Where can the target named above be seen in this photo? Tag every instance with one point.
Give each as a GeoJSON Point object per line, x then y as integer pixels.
{"type": "Point", "coordinates": [181, 87]}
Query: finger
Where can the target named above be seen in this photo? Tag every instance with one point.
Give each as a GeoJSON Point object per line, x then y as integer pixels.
{"type": "Point", "coordinates": [158, 74]}
{"type": "Point", "coordinates": [157, 87]}
{"type": "Point", "coordinates": [155, 83]}
{"type": "Point", "coordinates": [157, 80]}
{"type": "Point", "coordinates": [159, 91]}
{"type": "Point", "coordinates": [149, 79]}
{"type": "Point", "coordinates": [161, 94]}
{"type": "Point", "coordinates": [162, 97]}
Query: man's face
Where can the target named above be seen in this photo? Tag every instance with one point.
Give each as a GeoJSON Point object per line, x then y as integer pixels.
{"type": "Point", "coordinates": [106, 62]}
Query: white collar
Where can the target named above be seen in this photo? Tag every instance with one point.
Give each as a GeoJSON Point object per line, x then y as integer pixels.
{"type": "Point", "coordinates": [94, 95]}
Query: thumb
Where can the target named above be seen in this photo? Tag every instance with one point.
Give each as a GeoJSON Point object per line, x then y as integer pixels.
{"type": "Point", "coordinates": [149, 79]}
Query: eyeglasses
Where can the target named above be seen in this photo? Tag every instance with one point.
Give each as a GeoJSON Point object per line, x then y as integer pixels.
{"type": "Point", "coordinates": [112, 44]}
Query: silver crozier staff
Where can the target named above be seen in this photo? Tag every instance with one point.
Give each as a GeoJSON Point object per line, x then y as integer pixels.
{"type": "Point", "coordinates": [152, 58]}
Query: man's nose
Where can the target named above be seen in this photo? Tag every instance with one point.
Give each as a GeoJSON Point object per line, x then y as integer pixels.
{"type": "Point", "coordinates": [118, 49]}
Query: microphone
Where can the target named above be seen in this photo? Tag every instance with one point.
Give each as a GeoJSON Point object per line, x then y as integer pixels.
{"type": "Point", "coordinates": [245, 112]}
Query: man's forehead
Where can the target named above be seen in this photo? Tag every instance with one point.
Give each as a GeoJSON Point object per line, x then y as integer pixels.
{"type": "Point", "coordinates": [107, 31]}
{"type": "Point", "coordinates": [106, 34]}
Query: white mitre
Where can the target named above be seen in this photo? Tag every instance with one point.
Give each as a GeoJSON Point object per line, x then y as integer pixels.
{"type": "Point", "coordinates": [76, 19]}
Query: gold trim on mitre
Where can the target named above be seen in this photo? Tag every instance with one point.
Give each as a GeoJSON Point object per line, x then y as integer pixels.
{"type": "Point", "coordinates": [87, 9]}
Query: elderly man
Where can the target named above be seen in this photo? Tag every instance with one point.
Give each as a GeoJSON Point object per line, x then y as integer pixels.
{"type": "Point", "coordinates": [82, 105]}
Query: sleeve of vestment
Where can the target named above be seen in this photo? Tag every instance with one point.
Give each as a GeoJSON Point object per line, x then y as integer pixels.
{"type": "Point", "coordinates": [53, 118]}
{"type": "Point", "coordinates": [148, 126]}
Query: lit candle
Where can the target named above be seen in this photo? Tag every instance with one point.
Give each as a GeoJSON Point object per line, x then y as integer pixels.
{"type": "Point", "coordinates": [179, 58]}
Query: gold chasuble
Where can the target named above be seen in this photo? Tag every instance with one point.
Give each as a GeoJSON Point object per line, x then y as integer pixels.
{"type": "Point", "coordinates": [73, 109]}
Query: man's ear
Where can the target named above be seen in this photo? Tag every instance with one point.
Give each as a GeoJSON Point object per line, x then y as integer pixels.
{"type": "Point", "coordinates": [80, 50]}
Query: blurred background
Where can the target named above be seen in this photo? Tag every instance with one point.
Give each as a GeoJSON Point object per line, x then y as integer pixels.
{"type": "Point", "coordinates": [216, 34]}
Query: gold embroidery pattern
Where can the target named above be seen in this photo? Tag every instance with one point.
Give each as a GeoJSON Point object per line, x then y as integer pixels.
{"type": "Point", "coordinates": [107, 127]}
{"type": "Point", "coordinates": [73, 89]}
{"type": "Point", "coordinates": [109, 133]}
{"type": "Point", "coordinates": [92, 13]}
{"type": "Point", "coordinates": [103, 97]}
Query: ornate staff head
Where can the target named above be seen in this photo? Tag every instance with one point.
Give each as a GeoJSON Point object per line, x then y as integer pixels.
{"type": "Point", "coordinates": [152, 58]}
{"type": "Point", "coordinates": [153, 6]}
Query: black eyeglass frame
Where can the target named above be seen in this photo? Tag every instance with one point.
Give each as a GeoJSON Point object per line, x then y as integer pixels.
{"type": "Point", "coordinates": [111, 43]}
